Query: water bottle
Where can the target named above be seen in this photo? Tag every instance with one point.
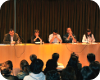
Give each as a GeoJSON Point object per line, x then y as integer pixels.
{"type": "Point", "coordinates": [72, 41]}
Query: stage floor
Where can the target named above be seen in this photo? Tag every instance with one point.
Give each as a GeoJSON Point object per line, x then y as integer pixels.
{"type": "Point", "coordinates": [23, 51]}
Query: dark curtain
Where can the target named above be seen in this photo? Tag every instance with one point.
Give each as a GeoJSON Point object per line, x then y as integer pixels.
{"type": "Point", "coordinates": [6, 18]}
{"type": "Point", "coordinates": [47, 15]}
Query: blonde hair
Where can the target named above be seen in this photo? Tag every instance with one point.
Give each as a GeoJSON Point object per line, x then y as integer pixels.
{"type": "Point", "coordinates": [35, 31]}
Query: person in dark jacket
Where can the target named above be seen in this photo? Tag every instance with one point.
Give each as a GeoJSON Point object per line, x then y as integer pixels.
{"type": "Point", "coordinates": [36, 37]}
{"type": "Point", "coordinates": [11, 37]}
{"type": "Point", "coordinates": [69, 37]}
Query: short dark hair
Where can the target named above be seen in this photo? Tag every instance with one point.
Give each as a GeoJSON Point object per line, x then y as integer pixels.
{"type": "Point", "coordinates": [68, 74]}
{"type": "Point", "coordinates": [73, 61]}
{"type": "Point", "coordinates": [95, 67]}
{"type": "Point", "coordinates": [91, 57]}
{"type": "Point", "coordinates": [52, 75]}
{"type": "Point", "coordinates": [55, 31]}
{"type": "Point", "coordinates": [11, 29]}
{"type": "Point", "coordinates": [37, 66]}
{"type": "Point", "coordinates": [55, 56]}
{"type": "Point", "coordinates": [33, 57]}
{"type": "Point", "coordinates": [73, 54]}
{"type": "Point", "coordinates": [24, 64]}
{"type": "Point", "coordinates": [86, 72]}
{"type": "Point", "coordinates": [50, 65]}
{"type": "Point", "coordinates": [10, 64]}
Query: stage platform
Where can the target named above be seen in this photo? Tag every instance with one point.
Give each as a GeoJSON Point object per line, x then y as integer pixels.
{"type": "Point", "coordinates": [23, 51]}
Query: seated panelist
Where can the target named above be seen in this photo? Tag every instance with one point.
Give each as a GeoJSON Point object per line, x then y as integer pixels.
{"type": "Point", "coordinates": [69, 37]}
{"type": "Point", "coordinates": [11, 37]}
{"type": "Point", "coordinates": [88, 37]}
{"type": "Point", "coordinates": [55, 37]}
{"type": "Point", "coordinates": [36, 37]}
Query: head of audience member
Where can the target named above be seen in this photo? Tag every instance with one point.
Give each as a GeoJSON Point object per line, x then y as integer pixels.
{"type": "Point", "coordinates": [87, 73]}
{"type": "Point", "coordinates": [24, 65]}
{"type": "Point", "coordinates": [37, 66]}
{"type": "Point", "coordinates": [95, 67]}
{"type": "Point", "coordinates": [68, 74]}
{"type": "Point", "coordinates": [52, 75]}
{"type": "Point", "coordinates": [55, 57]}
{"type": "Point", "coordinates": [88, 32]}
{"type": "Point", "coordinates": [11, 32]}
{"type": "Point", "coordinates": [73, 62]}
{"type": "Point", "coordinates": [7, 67]}
{"type": "Point", "coordinates": [50, 65]}
{"type": "Point", "coordinates": [69, 30]}
{"type": "Point", "coordinates": [33, 57]}
{"type": "Point", "coordinates": [54, 32]}
{"type": "Point", "coordinates": [36, 32]}
{"type": "Point", "coordinates": [91, 57]}
{"type": "Point", "coordinates": [75, 55]}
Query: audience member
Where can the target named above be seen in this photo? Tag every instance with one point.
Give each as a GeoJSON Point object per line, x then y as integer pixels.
{"type": "Point", "coordinates": [55, 57]}
{"type": "Point", "coordinates": [91, 57]}
{"type": "Point", "coordinates": [6, 70]}
{"type": "Point", "coordinates": [95, 68]}
{"type": "Point", "coordinates": [86, 73]}
{"type": "Point", "coordinates": [79, 64]}
{"type": "Point", "coordinates": [36, 71]}
{"type": "Point", "coordinates": [73, 62]}
{"type": "Point", "coordinates": [60, 66]}
{"type": "Point", "coordinates": [52, 75]}
{"type": "Point", "coordinates": [68, 74]}
{"type": "Point", "coordinates": [50, 65]}
{"type": "Point", "coordinates": [33, 57]}
{"type": "Point", "coordinates": [24, 65]}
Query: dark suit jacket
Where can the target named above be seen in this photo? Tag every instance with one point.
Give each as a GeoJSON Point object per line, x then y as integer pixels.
{"type": "Point", "coordinates": [32, 39]}
{"type": "Point", "coordinates": [70, 39]}
{"type": "Point", "coordinates": [7, 38]}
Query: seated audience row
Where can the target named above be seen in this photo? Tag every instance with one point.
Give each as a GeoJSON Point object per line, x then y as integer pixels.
{"type": "Point", "coordinates": [34, 71]}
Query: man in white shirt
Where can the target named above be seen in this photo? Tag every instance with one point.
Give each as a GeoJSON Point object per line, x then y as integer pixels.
{"type": "Point", "coordinates": [54, 37]}
{"type": "Point", "coordinates": [36, 71]}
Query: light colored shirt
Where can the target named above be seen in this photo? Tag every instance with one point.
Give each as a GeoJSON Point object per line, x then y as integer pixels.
{"type": "Point", "coordinates": [11, 38]}
{"type": "Point", "coordinates": [33, 76]}
{"type": "Point", "coordinates": [88, 39]}
{"type": "Point", "coordinates": [55, 40]}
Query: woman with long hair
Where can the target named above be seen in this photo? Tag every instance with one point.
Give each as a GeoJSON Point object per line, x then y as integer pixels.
{"type": "Point", "coordinates": [88, 37]}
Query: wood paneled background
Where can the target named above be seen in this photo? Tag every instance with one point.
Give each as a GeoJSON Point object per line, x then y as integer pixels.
{"type": "Point", "coordinates": [47, 15]}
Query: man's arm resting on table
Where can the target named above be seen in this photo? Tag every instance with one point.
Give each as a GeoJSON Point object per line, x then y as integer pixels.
{"type": "Point", "coordinates": [52, 40]}
{"type": "Point", "coordinates": [59, 39]}
{"type": "Point", "coordinates": [66, 40]}
{"type": "Point", "coordinates": [74, 39]}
